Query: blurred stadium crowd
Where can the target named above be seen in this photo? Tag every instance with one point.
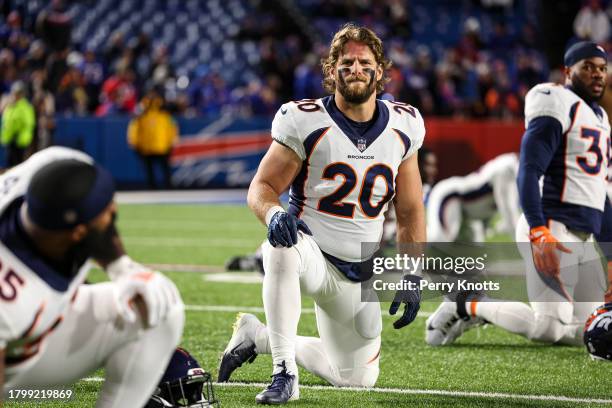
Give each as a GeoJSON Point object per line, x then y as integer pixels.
{"type": "Point", "coordinates": [451, 58]}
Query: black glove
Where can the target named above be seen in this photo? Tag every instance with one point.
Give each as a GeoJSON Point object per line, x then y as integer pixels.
{"type": "Point", "coordinates": [411, 300]}
{"type": "Point", "coordinates": [283, 229]}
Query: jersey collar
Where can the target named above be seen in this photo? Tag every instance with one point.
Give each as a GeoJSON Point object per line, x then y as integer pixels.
{"type": "Point", "coordinates": [17, 241]}
{"type": "Point", "coordinates": [361, 142]}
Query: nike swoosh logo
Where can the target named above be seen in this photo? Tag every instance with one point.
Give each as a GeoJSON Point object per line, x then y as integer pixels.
{"type": "Point", "coordinates": [283, 111]}
{"type": "Point", "coordinates": [547, 92]}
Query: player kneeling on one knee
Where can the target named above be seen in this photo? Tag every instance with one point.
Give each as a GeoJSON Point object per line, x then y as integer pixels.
{"type": "Point", "coordinates": [343, 158]}
{"type": "Point", "coordinates": [57, 212]}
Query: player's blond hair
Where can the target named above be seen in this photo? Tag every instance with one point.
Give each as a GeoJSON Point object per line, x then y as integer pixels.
{"type": "Point", "coordinates": [360, 34]}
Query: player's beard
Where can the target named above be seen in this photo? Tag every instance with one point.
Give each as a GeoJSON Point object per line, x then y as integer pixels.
{"type": "Point", "coordinates": [102, 245]}
{"type": "Point", "coordinates": [356, 95]}
{"type": "Point", "coordinates": [583, 91]}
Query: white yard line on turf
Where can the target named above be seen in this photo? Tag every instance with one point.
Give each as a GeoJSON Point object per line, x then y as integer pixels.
{"type": "Point", "coordinates": [403, 391]}
{"type": "Point", "coordinates": [182, 197]}
{"type": "Point", "coordinates": [187, 242]}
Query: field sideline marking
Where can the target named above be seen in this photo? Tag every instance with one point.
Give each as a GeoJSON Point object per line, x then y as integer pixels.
{"type": "Point", "coordinates": [255, 309]}
{"type": "Point", "coordinates": [404, 391]}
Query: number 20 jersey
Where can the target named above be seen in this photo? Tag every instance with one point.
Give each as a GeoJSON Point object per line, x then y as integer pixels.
{"type": "Point", "coordinates": [347, 178]}
{"type": "Point", "coordinates": [576, 177]}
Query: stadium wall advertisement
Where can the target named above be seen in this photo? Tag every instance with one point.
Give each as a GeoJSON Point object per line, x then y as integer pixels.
{"type": "Point", "coordinates": [225, 153]}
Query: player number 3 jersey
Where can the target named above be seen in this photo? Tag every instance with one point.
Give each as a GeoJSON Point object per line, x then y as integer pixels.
{"type": "Point", "coordinates": [578, 172]}
{"type": "Point", "coordinates": [347, 176]}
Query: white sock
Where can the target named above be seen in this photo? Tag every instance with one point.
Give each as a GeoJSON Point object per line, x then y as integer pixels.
{"type": "Point", "coordinates": [516, 317]}
{"type": "Point", "coordinates": [282, 304]}
{"type": "Point", "coordinates": [309, 354]}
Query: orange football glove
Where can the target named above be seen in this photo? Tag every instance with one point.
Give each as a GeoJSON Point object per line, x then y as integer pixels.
{"type": "Point", "coordinates": [544, 247]}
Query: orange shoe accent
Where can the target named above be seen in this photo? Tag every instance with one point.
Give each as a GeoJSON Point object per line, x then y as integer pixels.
{"type": "Point", "coordinates": [473, 304]}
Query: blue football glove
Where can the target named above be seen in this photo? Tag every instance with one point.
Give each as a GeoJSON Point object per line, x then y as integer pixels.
{"type": "Point", "coordinates": [283, 229]}
{"type": "Point", "coordinates": [411, 300]}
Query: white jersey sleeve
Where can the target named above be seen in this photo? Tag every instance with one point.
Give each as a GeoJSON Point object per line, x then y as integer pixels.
{"type": "Point", "coordinates": [14, 182]}
{"type": "Point", "coordinates": [284, 129]}
{"type": "Point", "coordinates": [547, 100]}
{"type": "Point", "coordinates": [418, 134]}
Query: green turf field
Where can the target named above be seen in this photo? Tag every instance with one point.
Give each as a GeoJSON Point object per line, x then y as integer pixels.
{"type": "Point", "coordinates": [486, 367]}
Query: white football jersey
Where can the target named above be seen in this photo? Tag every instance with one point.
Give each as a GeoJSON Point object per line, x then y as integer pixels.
{"type": "Point", "coordinates": [346, 179]}
{"type": "Point", "coordinates": [480, 195]}
{"type": "Point", "coordinates": [586, 137]}
{"type": "Point", "coordinates": [30, 308]}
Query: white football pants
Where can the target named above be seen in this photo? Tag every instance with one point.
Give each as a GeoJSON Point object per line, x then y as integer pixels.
{"type": "Point", "coordinates": [347, 351]}
{"type": "Point", "coordinates": [555, 316]}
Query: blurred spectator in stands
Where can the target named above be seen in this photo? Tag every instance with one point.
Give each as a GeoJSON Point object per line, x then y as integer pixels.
{"type": "Point", "coordinates": [20, 44]}
{"type": "Point", "coordinates": [502, 41]}
{"type": "Point", "coordinates": [36, 56]}
{"type": "Point", "coordinates": [44, 107]}
{"type": "Point", "coordinates": [420, 81]}
{"type": "Point", "coordinates": [592, 23]}
{"type": "Point", "coordinates": [208, 92]}
{"type": "Point", "coordinates": [307, 79]}
{"type": "Point", "coordinates": [18, 121]}
{"type": "Point", "coordinates": [71, 98]}
{"type": "Point", "coordinates": [260, 98]}
{"type": "Point", "coordinates": [470, 43]}
{"type": "Point", "coordinates": [528, 39]}
{"type": "Point", "coordinates": [57, 66]}
{"type": "Point", "coordinates": [528, 73]}
{"type": "Point", "coordinates": [152, 134]}
{"type": "Point", "coordinates": [54, 26]}
{"type": "Point", "coordinates": [446, 93]}
{"type": "Point", "coordinates": [161, 69]}
{"type": "Point", "coordinates": [8, 71]}
{"type": "Point", "coordinates": [114, 49]}
{"type": "Point", "coordinates": [398, 12]}
{"type": "Point", "coordinates": [141, 52]}
{"type": "Point", "coordinates": [93, 77]}
{"type": "Point", "coordinates": [12, 27]}
{"type": "Point", "coordinates": [118, 93]}
{"type": "Point", "coordinates": [500, 101]}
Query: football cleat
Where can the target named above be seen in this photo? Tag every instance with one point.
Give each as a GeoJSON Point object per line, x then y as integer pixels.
{"type": "Point", "coordinates": [245, 263]}
{"type": "Point", "coordinates": [440, 323]}
{"type": "Point", "coordinates": [284, 388]}
{"type": "Point", "coordinates": [241, 347]}
{"type": "Point", "coordinates": [449, 322]}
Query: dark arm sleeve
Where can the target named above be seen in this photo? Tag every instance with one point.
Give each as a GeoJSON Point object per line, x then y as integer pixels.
{"type": "Point", "coordinates": [604, 238]}
{"type": "Point", "coordinates": [538, 146]}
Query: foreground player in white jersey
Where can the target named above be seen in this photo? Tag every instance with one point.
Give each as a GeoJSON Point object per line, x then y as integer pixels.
{"type": "Point", "coordinates": [56, 212]}
{"type": "Point", "coordinates": [477, 197]}
{"type": "Point", "coordinates": [566, 141]}
{"type": "Point", "coordinates": [345, 157]}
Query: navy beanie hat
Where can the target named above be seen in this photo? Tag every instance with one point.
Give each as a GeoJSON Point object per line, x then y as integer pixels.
{"type": "Point", "coordinates": [582, 50]}
{"type": "Point", "coordinates": [66, 193]}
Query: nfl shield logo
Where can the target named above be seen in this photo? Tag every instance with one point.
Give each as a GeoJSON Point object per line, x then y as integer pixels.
{"type": "Point", "coordinates": [361, 144]}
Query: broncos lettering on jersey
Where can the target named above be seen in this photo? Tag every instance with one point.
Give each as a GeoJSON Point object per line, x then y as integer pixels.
{"type": "Point", "coordinates": [347, 177]}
